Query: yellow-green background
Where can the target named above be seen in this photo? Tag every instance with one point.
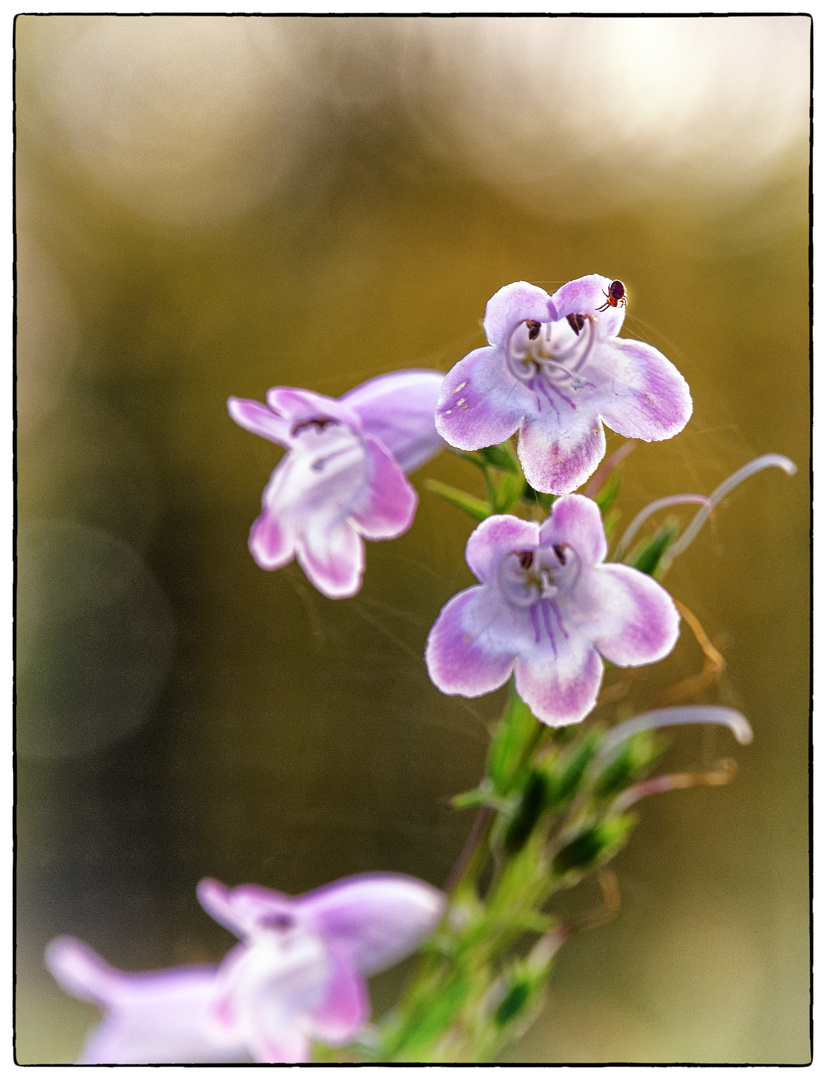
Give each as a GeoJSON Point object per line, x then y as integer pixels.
{"type": "Point", "coordinates": [211, 206]}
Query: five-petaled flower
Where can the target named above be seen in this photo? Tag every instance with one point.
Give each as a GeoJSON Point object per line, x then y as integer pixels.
{"type": "Point", "coordinates": [555, 370]}
{"type": "Point", "coordinates": [343, 478]}
{"type": "Point", "coordinates": [547, 608]}
{"type": "Point", "coordinates": [297, 975]}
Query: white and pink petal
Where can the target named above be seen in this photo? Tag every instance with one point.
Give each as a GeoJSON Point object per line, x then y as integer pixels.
{"type": "Point", "coordinates": [387, 504]}
{"type": "Point", "coordinates": [636, 621]}
{"type": "Point", "coordinates": [481, 403]}
{"type": "Point", "coordinates": [649, 399]}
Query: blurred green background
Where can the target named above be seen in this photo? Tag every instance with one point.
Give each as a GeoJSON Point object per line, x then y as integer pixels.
{"type": "Point", "coordinates": [210, 206]}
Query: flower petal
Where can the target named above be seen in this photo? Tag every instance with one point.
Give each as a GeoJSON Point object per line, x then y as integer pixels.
{"type": "Point", "coordinates": [513, 304]}
{"type": "Point", "coordinates": [585, 296]}
{"type": "Point", "coordinates": [258, 419]}
{"type": "Point", "coordinates": [562, 687]}
{"type": "Point", "coordinates": [575, 521]}
{"type": "Point", "coordinates": [242, 909]}
{"type": "Point", "coordinates": [649, 398]}
{"type": "Point", "coordinates": [345, 1009]}
{"type": "Point", "coordinates": [272, 541]}
{"type": "Point", "coordinates": [399, 409]}
{"type": "Point", "coordinates": [332, 557]}
{"type": "Point", "coordinates": [302, 406]}
{"type": "Point", "coordinates": [388, 503]}
{"type": "Point", "coordinates": [154, 1018]}
{"type": "Point", "coordinates": [494, 539]}
{"type": "Point", "coordinates": [558, 459]}
{"type": "Point", "coordinates": [374, 920]}
{"type": "Point", "coordinates": [469, 649]}
{"type": "Point", "coordinates": [638, 622]}
{"type": "Point", "coordinates": [481, 403]}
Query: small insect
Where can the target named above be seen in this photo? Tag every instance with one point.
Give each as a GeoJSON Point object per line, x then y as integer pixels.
{"type": "Point", "coordinates": [576, 322]}
{"type": "Point", "coordinates": [533, 328]}
{"type": "Point", "coordinates": [616, 295]}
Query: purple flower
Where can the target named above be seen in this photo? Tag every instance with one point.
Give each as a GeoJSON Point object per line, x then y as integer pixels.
{"type": "Point", "coordinates": [555, 370]}
{"type": "Point", "coordinates": [297, 975]}
{"type": "Point", "coordinates": [546, 610]}
{"type": "Point", "coordinates": [343, 478]}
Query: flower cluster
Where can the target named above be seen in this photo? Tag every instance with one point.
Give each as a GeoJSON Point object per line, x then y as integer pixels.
{"type": "Point", "coordinates": [548, 610]}
{"type": "Point", "coordinates": [298, 975]}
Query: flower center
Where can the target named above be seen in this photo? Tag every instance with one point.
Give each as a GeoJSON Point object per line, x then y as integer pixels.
{"type": "Point", "coordinates": [539, 581]}
{"type": "Point", "coordinates": [550, 358]}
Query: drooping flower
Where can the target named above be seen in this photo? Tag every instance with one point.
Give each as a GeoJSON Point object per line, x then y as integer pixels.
{"type": "Point", "coordinates": [298, 974]}
{"type": "Point", "coordinates": [343, 478]}
{"type": "Point", "coordinates": [554, 370]}
{"type": "Point", "coordinates": [547, 609]}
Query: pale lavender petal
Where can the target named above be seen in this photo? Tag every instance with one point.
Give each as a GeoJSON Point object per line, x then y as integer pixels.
{"type": "Point", "coordinates": [638, 621]}
{"type": "Point", "coordinates": [481, 403]}
{"type": "Point", "coordinates": [242, 909]}
{"type": "Point", "coordinates": [153, 1018]}
{"type": "Point", "coordinates": [561, 687]}
{"type": "Point", "coordinates": [513, 304]}
{"type": "Point", "coordinates": [399, 410]}
{"type": "Point", "coordinates": [374, 919]}
{"type": "Point", "coordinates": [332, 557]}
{"type": "Point", "coordinates": [494, 539]}
{"type": "Point", "coordinates": [302, 406]}
{"type": "Point", "coordinates": [585, 296]}
{"type": "Point", "coordinates": [645, 396]}
{"type": "Point", "coordinates": [575, 521]}
{"type": "Point", "coordinates": [558, 458]}
{"type": "Point", "coordinates": [469, 649]}
{"type": "Point", "coordinates": [388, 504]}
{"type": "Point", "coordinates": [345, 1009]}
{"type": "Point", "coordinates": [272, 540]}
{"type": "Point", "coordinates": [288, 1047]}
{"type": "Point", "coordinates": [260, 420]}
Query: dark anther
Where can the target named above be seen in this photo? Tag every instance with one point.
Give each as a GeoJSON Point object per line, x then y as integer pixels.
{"type": "Point", "coordinates": [576, 323]}
{"type": "Point", "coordinates": [319, 422]}
{"type": "Point", "coordinates": [533, 328]}
{"type": "Point", "coordinates": [281, 921]}
{"type": "Point", "coordinates": [525, 559]}
{"type": "Point", "coordinates": [559, 551]}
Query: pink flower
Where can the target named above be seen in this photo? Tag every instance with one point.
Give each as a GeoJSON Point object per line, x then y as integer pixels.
{"type": "Point", "coordinates": [555, 370]}
{"type": "Point", "coordinates": [297, 975]}
{"type": "Point", "coordinates": [546, 610]}
{"type": "Point", "coordinates": [343, 478]}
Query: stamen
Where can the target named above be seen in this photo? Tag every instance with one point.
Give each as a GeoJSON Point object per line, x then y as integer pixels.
{"type": "Point", "coordinates": [764, 462]}
{"type": "Point", "coordinates": [685, 714]}
{"type": "Point", "coordinates": [724, 772]}
{"type": "Point", "coordinates": [597, 480]}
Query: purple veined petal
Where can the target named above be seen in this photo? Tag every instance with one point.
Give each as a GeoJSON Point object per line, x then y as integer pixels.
{"type": "Point", "coordinates": [513, 304]}
{"type": "Point", "coordinates": [374, 920]}
{"type": "Point", "coordinates": [332, 556]}
{"type": "Point", "coordinates": [576, 521]}
{"type": "Point", "coordinates": [494, 539]}
{"type": "Point", "coordinates": [469, 649]}
{"type": "Point", "coordinates": [345, 1009]}
{"type": "Point", "coordinates": [637, 621]}
{"type": "Point", "coordinates": [302, 406]}
{"type": "Point", "coordinates": [399, 409]}
{"type": "Point", "coordinates": [585, 296]}
{"type": "Point", "coordinates": [560, 687]}
{"type": "Point", "coordinates": [242, 909]}
{"type": "Point", "coordinates": [257, 418]}
{"type": "Point", "coordinates": [649, 399]}
{"type": "Point", "coordinates": [481, 403]}
{"type": "Point", "coordinates": [153, 1018]}
{"type": "Point", "coordinates": [388, 504]}
{"type": "Point", "coordinates": [558, 459]}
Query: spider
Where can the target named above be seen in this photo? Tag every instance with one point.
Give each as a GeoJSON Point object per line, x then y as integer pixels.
{"type": "Point", "coordinates": [616, 295]}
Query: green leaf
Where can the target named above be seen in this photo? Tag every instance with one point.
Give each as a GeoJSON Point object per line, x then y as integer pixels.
{"type": "Point", "coordinates": [477, 508]}
{"type": "Point", "coordinates": [502, 457]}
{"type": "Point", "coordinates": [514, 736]}
{"type": "Point", "coordinates": [648, 555]}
